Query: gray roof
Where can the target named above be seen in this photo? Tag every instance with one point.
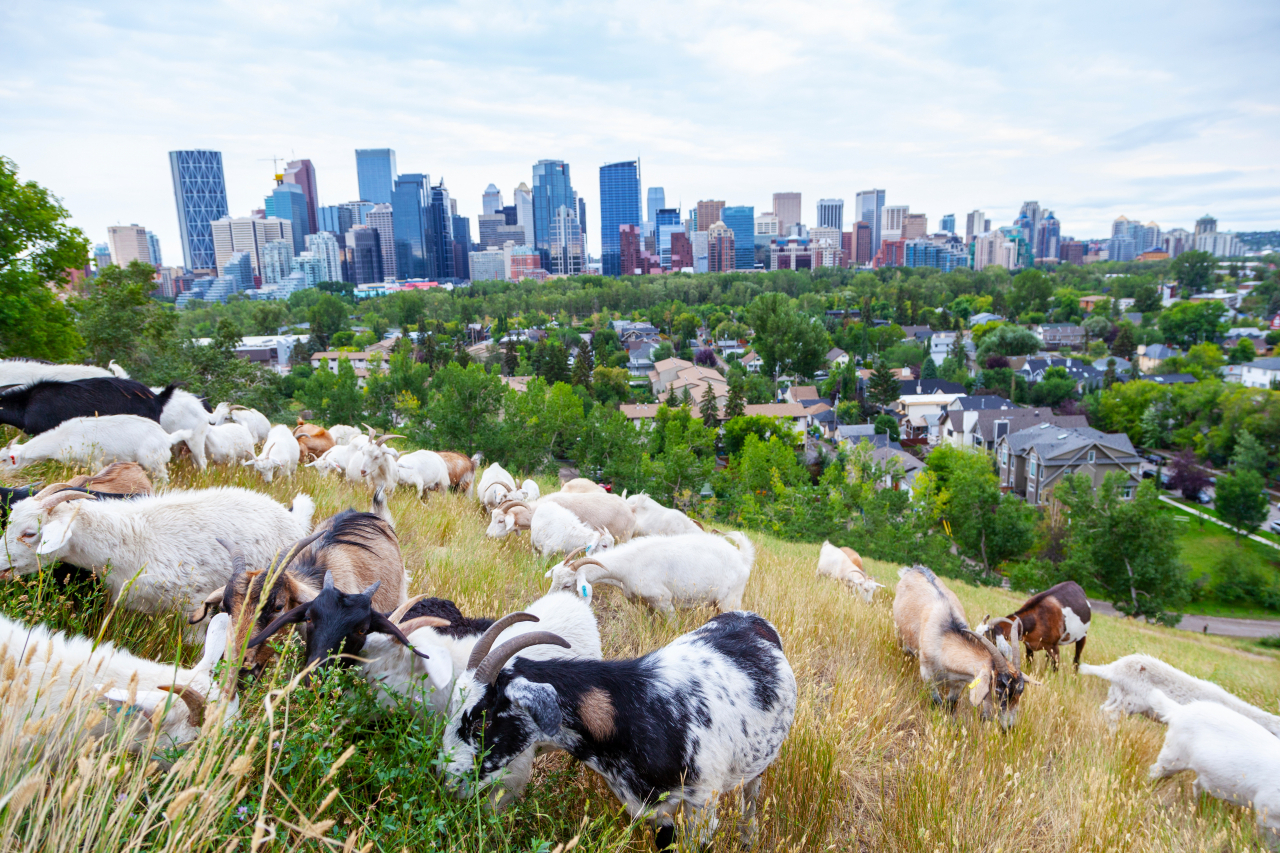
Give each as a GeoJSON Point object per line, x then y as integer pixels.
{"type": "Point", "coordinates": [982, 402]}
{"type": "Point", "coordinates": [1051, 441]}
{"type": "Point", "coordinates": [1122, 364]}
{"type": "Point", "coordinates": [1161, 351]}
{"type": "Point", "coordinates": [855, 431]}
{"type": "Point", "coordinates": [1172, 378]}
{"type": "Point", "coordinates": [928, 386]}
{"type": "Point", "coordinates": [1265, 364]}
{"type": "Point", "coordinates": [1134, 317]}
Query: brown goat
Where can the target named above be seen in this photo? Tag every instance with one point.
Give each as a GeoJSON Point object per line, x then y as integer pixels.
{"type": "Point", "coordinates": [359, 548]}
{"type": "Point", "coordinates": [1055, 617]}
{"type": "Point", "coordinates": [118, 478]}
{"type": "Point", "coordinates": [313, 440]}
{"type": "Point", "coordinates": [854, 557]}
{"type": "Point", "coordinates": [462, 469]}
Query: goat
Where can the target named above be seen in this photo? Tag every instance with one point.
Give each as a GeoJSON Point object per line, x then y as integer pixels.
{"type": "Point", "coordinates": [41, 407]}
{"type": "Point", "coordinates": [932, 627]}
{"type": "Point", "coordinates": [28, 371]}
{"type": "Point", "coordinates": [118, 478]}
{"type": "Point", "coordinates": [179, 559]}
{"type": "Point", "coordinates": [336, 459]}
{"type": "Point", "coordinates": [312, 439]}
{"type": "Point", "coordinates": [279, 453]}
{"type": "Point", "coordinates": [530, 490]}
{"type": "Point", "coordinates": [356, 548]}
{"type": "Point", "coordinates": [654, 519]}
{"type": "Point", "coordinates": [56, 669]}
{"type": "Point", "coordinates": [667, 572]}
{"type": "Point", "coordinates": [1134, 677]}
{"type": "Point", "coordinates": [581, 486]}
{"type": "Point", "coordinates": [1233, 757]}
{"type": "Point", "coordinates": [835, 563]}
{"type": "Point", "coordinates": [343, 434]}
{"type": "Point", "coordinates": [251, 419]}
{"type": "Point", "coordinates": [424, 470]}
{"type": "Point", "coordinates": [509, 517]}
{"type": "Point", "coordinates": [185, 411]}
{"type": "Point", "coordinates": [555, 529]}
{"type": "Point", "coordinates": [225, 444]}
{"type": "Point", "coordinates": [669, 732]}
{"type": "Point", "coordinates": [1055, 617]}
{"type": "Point", "coordinates": [10, 497]}
{"type": "Point", "coordinates": [599, 510]}
{"type": "Point", "coordinates": [92, 441]}
{"type": "Point", "coordinates": [462, 470]}
{"type": "Point", "coordinates": [378, 464]}
{"type": "Point", "coordinates": [495, 485]}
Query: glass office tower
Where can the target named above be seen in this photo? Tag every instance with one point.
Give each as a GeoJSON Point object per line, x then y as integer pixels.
{"type": "Point", "coordinates": [619, 205]}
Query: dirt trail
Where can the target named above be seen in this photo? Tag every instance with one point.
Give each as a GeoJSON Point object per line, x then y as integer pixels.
{"type": "Point", "coordinates": [1220, 625]}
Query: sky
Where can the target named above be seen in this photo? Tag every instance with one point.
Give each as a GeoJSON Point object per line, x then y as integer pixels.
{"type": "Point", "coordinates": [1158, 111]}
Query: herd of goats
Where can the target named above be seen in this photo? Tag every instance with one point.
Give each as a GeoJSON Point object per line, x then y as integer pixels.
{"type": "Point", "coordinates": [668, 731]}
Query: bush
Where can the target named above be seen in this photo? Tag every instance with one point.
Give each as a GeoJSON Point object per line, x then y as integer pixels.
{"type": "Point", "coordinates": [1238, 583]}
{"type": "Point", "coordinates": [1272, 642]}
{"type": "Point", "coordinates": [1031, 575]}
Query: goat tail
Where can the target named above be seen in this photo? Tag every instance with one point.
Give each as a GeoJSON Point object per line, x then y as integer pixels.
{"type": "Point", "coordinates": [304, 508]}
{"type": "Point", "coordinates": [380, 508]}
{"type": "Point", "coordinates": [1161, 705]}
{"type": "Point", "coordinates": [1100, 670]}
{"type": "Point", "coordinates": [478, 458]}
{"type": "Point", "coordinates": [116, 369]}
{"type": "Point", "coordinates": [744, 545]}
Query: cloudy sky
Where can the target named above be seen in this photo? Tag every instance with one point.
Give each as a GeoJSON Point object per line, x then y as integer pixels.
{"type": "Point", "coordinates": [1159, 111]}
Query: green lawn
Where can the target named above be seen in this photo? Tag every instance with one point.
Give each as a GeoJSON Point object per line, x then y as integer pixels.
{"type": "Point", "coordinates": [1208, 510]}
{"type": "Point", "coordinates": [1203, 544]}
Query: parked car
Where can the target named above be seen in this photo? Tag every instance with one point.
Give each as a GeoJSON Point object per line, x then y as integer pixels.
{"type": "Point", "coordinates": [1154, 459]}
{"type": "Point", "coordinates": [1275, 526]}
{"type": "Point", "coordinates": [1148, 474]}
{"type": "Point", "coordinates": [1204, 498]}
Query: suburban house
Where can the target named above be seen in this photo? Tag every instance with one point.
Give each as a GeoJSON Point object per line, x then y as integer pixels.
{"type": "Point", "coordinates": [851, 434]}
{"type": "Point", "coordinates": [837, 357]}
{"type": "Point", "coordinates": [640, 357]}
{"type": "Point", "coordinates": [1254, 336]}
{"type": "Point", "coordinates": [984, 317]}
{"type": "Point", "coordinates": [1123, 365]}
{"type": "Point", "coordinates": [917, 334]}
{"type": "Point", "coordinates": [1088, 303]}
{"type": "Point", "coordinates": [359, 360]}
{"type": "Point", "coordinates": [272, 351]}
{"type": "Point", "coordinates": [922, 409]}
{"type": "Point", "coordinates": [752, 362]}
{"type": "Point", "coordinates": [989, 425]}
{"type": "Point", "coordinates": [1151, 355]}
{"type": "Point", "coordinates": [1260, 372]}
{"type": "Point", "coordinates": [962, 414]}
{"type": "Point", "coordinates": [1085, 375]}
{"type": "Point", "coordinates": [1032, 461]}
{"type": "Point", "coordinates": [1059, 335]}
{"type": "Point", "coordinates": [629, 331]}
{"type": "Point", "coordinates": [727, 348]}
{"type": "Point", "coordinates": [664, 373]}
{"type": "Point", "coordinates": [1179, 378]}
{"type": "Point", "coordinates": [798, 393]}
{"type": "Point", "coordinates": [940, 345]}
{"type": "Point", "coordinates": [696, 379]}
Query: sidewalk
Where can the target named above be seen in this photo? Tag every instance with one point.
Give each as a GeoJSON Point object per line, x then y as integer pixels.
{"type": "Point", "coordinates": [1221, 625]}
{"type": "Point", "coordinates": [1184, 508]}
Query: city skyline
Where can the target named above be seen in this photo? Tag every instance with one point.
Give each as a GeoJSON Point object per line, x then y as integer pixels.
{"type": "Point", "coordinates": [1040, 117]}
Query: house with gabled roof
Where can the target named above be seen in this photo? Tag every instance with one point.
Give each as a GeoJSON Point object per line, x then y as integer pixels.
{"type": "Point", "coordinates": [1032, 461]}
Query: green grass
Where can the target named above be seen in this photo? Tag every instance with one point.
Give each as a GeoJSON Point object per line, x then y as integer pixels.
{"type": "Point", "coordinates": [870, 763]}
{"type": "Point", "coordinates": [1208, 510]}
{"type": "Point", "coordinates": [1203, 544]}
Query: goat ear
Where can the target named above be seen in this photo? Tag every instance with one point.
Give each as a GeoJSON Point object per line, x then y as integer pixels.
{"type": "Point", "coordinates": [289, 617]}
{"type": "Point", "coordinates": [408, 626]}
{"type": "Point", "coordinates": [980, 687]}
{"type": "Point", "coordinates": [212, 603]}
{"type": "Point", "coordinates": [383, 625]}
{"type": "Point", "coordinates": [439, 667]}
{"type": "Point", "coordinates": [55, 534]}
{"type": "Point", "coordinates": [540, 701]}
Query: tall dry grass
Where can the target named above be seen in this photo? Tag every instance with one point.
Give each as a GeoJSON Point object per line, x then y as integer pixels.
{"type": "Point", "coordinates": [870, 763]}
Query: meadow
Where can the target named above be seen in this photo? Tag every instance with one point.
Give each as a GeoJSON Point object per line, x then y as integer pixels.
{"type": "Point", "coordinates": [870, 764]}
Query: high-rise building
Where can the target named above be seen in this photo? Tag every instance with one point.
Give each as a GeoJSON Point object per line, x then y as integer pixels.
{"type": "Point", "coordinates": [948, 223]}
{"type": "Point", "coordinates": [461, 246]}
{"type": "Point", "coordinates": [1206, 225]}
{"type": "Point", "coordinates": [582, 225]}
{"type": "Point", "coordinates": [914, 226]}
{"type": "Point", "coordinates": [944, 256]}
{"type": "Point", "coordinates": [382, 219]}
{"type": "Point", "coordinates": [491, 201]}
{"type": "Point", "coordinates": [742, 219]}
{"type": "Point", "coordinates": [656, 200]}
{"type": "Point", "coordinates": [1177, 241]}
{"type": "Point", "coordinates": [128, 244]}
{"type": "Point", "coordinates": [239, 268]}
{"type": "Point", "coordinates": [667, 220]}
{"type": "Point", "coordinates": [862, 253]}
{"type": "Point", "coordinates": [276, 262]}
{"type": "Point", "coordinates": [766, 228]}
{"type": "Point", "coordinates": [974, 224]}
{"type": "Point", "coordinates": [1032, 211]}
{"type": "Point", "coordinates": [488, 265]}
{"type": "Point", "coordinates": [376, 174]}
{"type": "Point", "coordinates": [289, 202]}
{"type": "Point", "coordinates": [831, 213]}
{"type": "Point", "coordinates": [522, 201]}
{"type": "Point", "coordinates": [1149, 237]}
{"type": "Point", "coordinates": [708, 213]}
{"type": "Point", "coordinates": [440, 232]}
{"type": "Point", "coordinates": [786, 206]}
{"type": "Point", "coordinates": [552, 189]}
{"type": "Point", "coordinates": [409, 201]}
{"type": "Point", "coordinates": [249, 234]}
{"type": "Point", "coordinates": [101, 256]}
{"type": "Point", "coordinates": [153, 248]}
{"type": "Point", "coordinates": [487, 226]}
{"type": "Point", "coordinates": [1071, 252]}
{"type": "Point", "coordinates": [336, 219]}
{"type": "Point", "coordinates": [565, 242]}
{"type": "Point", "coordinates": [869, 206]}
{"type": "Point", "coordinates": [364, 255]}
{"type": "Point", "coordinates": [302, 173]}
{"type": "Point", "coordinates": [722, 252]}
{"type": "Point", "coordinates": [200, 192]}
{"type": "Point", "coordinates": [619, 205]}
{"type": "Point", "coordinates": [359, 210]}
{"type": "Point", "coordinates": [700, 249]}
{"type": "Point", "coordinates": [324, 245]}
{"type": "Point", "coordinates": [891, 226]}
{"type": "Point", "coordinates": [631, 249]}
{"type": "Point", "coordinates": [681, 252]}
{"type": "Point", "coordinates": [523, 262]}
{"type": "Point", "coordinates": [1048, 236]}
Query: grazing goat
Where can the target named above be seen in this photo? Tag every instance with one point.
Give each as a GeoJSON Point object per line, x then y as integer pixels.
{"type": "Point", "coordinates": [343, 434]}
{"type": "Point", "coordinates": [530, 490]}
{"type": "Point", "coordinates": [225, 444]}
{"type": "Point", "coordinates": [509, 517]}
{"type": "Point", "coordinates": [1134, 677]}
{"type": "Point", "coordinates": [251, 419]}
{"type": "Point", "coordinates": [357, 548]}
{"type": "Point", "coordinates": [118, 478]}
{"type": "Point", "coordinates": [581, 486]}
{"type": "Point", "coordinates": [186, 411]}
{"type": "Point", "coordinates": [669, 732]}
{"type": "Point", "coordinates": [667, 572]}
{"type": "Point", "coordinates": [598, 510]}
{"type": "Point", "coordinates": [836, 563]}
{"type": "Point", "coordinates": [462, 470]}
{"type": "Point", "coordinates": [425, 470]}
{"type": "Point", "coordinates": [10, 497]}
{"type": "Point", "coordinates": [1233, 757]}
{"type": "Point", "coordinates": [178, 561]}
{"type": "Point", "coordinates": [56, 669]}
{"type": "Point", "coordinates": [92, 441]}
{"type": "Point", "coordinates": [378, 464]}
{"type": "Point", "coordinates": [336, 459]}
{"type": "Point", "coordinates": [313, 440]}
{"type": "Point", "coordinates": [554, 529]}
{"type": "Point", "coordinates": [28, 371]}
{"type": "Point", "coordinates": [38, 408]}
{"type": "Point", "coordinates": [932, 626]}
{"type": "Point", "coordinates": [495, 485]}
{"type": "Point", "coordinates": [1055, 617]}
{"type": "Point", "coordinates": [654, 519]}
{"type": "Point", "coordinates": [279, 453]}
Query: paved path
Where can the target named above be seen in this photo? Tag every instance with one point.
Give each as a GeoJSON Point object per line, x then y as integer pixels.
{"type": "Point", "coordinates": [1220, 625]}
{"type": "Point", "coordinates": [1184, 508]}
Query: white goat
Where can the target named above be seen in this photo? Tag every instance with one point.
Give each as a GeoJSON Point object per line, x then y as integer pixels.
{"type": "Point", "coordinates": [252, 419]}
{"type": "Point", "coordinates": [530, 490]}
{"type": "Point", "coordinates": [378, 463]}
{"type": "Point", "coordinates": [424, 470]}
{"type": "Point", "coordinates": [495, 486]}
{"type": "Point", "coordinates": [835, 563]}
{"type": "Point", "coordinates": [225, 444]}
{"type": "Point", "coordinates": [334, 460]}
{"type": "Point", "coordinates": [279, 453]}
{"type": "Point", "coordinates": [667, 572]}
{"type": "Point", "coordinates": [654, 519]}
{"type": "Point", "coordinates": [55, 670]}
{"type": "Point", "coordinates": [155, 552]}
{"type": "Point", "coordinates": [185, 411]}
{"type": "Point", "coordinates": [1135, 677]}
{"type": "Point", "coordinates": [581, 486]}
{"type": "Point", "coordinates": [343, 434]}
{"type": "Point", "coordinates": [93, 442]}
{"type": "Point", "coordinates": [1234, 758]}
{"type": "Point", "coordinates": [598, 509]}
{"type": "Point", "coordinates": [553, 529]}
{"type": "Point", "coordinates": [24, 371]}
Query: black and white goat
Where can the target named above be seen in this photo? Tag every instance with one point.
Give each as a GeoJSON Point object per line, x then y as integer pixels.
{"type": "Point", "coordinates": [669, 732]}
{"type": "Point", "coordinates": [41, 407]}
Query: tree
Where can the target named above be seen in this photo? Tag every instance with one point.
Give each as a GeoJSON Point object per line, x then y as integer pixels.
{"type": "Point", "coordinates": [1127, 548]}
{"type": "Point", "coordinates": [1189, 323]}
{"type": "Point", "coordinates": [686, 398]}
{"type": "Point", "coordinates": [1250, 454]}
{"type": "Point", "coordinates": [786, 339]}
{"type": "Point", "coordinates": [929, 368]}
{"type": "Point", "coordinates": [1146, 298]}
{"type": "Point", "coordinates": [883, 387]}
{"type": "Point", "coordinates": [37, 247]}
{"type": "Point", "coordinates": [1031, 291]}
{"type": "Point", "coordinates": [762, 426]}
{"type": "Point", "coordinates": [736, 405]}
{"type": "Point", "coordinates": [1194, 271]}
{"type": "Point", "coordinates": [1056, 386]}
{"type": "Point", "coordinates": [119, 320]}
{"type": "Point", "coordinates": [1124, 346]}
{"type": "Point", "coordinates": [461, 411]}
{"type": "Point", "coordinates": [1109, 377]}
{"type": "Point", "coordinates": [1243, 352]}
{"type": "Point", "coordinates": [986, 525]}
{"type": "Point", "coordinates": [510, 358]}
{"type": "Point", "coordinates": [1240, 500]}
{"type": "Point", "coordinates": [1186, 476]}
{"type": "Point", "coordinates": [1009, 340]}
{"type": "Point", "coordinates": [583, 367]}
{"type": "Point", "coordinates": [327, 317]}
{"type": "Point", "coordinates": [707, 405]}
{"type": "Point", "coordinates": [887, 425]}
{"type": "Point", "coordinates": [611, 385]}
{"type": "Point", "coordinates": [1096, 327]}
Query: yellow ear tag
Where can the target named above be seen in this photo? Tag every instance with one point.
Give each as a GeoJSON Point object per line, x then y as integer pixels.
{"type": "Point", "coordinates": [974, 683]}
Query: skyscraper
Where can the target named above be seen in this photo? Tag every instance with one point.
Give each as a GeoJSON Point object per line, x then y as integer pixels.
{"type": "Point", "coordinates": [302, 173]}
{"type": "Point", "coordinates": [619, 205]}
{"type": "Point", "coordinates": [382, 220]}
{"type": "Point", "coordinates": [522, 201]}
{"type": "Point", "coordinates": [128, 244]}
{"type": "Point", "coordinates": [948, 223]}
{"type": "Point", "coordinates": [440, 232]}
{"type": "Point", "coordinates": [153, 246]}
{"type": "Point", "coordinates": [914, 226]}
{"type": "Point", "coordinates": [709, 213]}
{"type": "Point", "coordinates": [277, 261]}
{"type": "Point", "coordinates": [831, 213]}
{"type": "Point", "coordinates": [565, 242]}
{"type": "Point", "coordinates": [974, 224]}
{"type": "Point", "coordinates": [552, 189]}
{"type": "Point", "coordinates": [891, 222]}
{"type": "Point", "coordinates": [1031, 210]}
{"type": "Point", "coordinates": [364, 255]}
{"type": "Point", "coordinates": [869, 207]}
{"type": "Point", "coordinates": [786, 206]}
{"type": "Point", "coordinates": [721, 252]}
{"type": "Point", "coordinates": [359, 210]}
{"type": "Point", "coordinates": [657, 199]}
{"type": "Point", "coordinates": [409, 201]}
{"type": "Point", "coordinates": [741, 219]}
{"type": "Point", "coordinates": [376, 174]}
{"type": "Point", "coordinates": [582, 224]}
{"type": "Point", "coordinates": [336, 219]}
{"type": "Point", "coordinates": [324, 245]}
{"type": "Point", "coordinates": [666, 222]}
{"type": "Point", "coordinates": [491, 201]}
{"type": "Point", "coordinates": [1048, 236]}
{"type": "Point", "coordinates": [289, 201]}
{"type": "Point", "coordinates": [249, 234]}
{"type": "Point", "coordinates": [200, 192]}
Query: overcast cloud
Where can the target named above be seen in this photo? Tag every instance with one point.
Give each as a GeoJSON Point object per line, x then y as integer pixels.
{"type": "Point", "coordinates": [1158, 111]}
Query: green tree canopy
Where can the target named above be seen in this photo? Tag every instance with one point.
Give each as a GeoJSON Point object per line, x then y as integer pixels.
{"type": "Point", "coordinates": [1194, 271]}
{"type": "Point", "coordinates": [786, 339]}
{"type": "Point", "coordinates": [1240, 500]}
{"type": "Point", "coordinates": [1189, 323]}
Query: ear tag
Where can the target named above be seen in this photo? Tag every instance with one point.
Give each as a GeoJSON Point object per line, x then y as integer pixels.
{"type": "Point", "coordinates": [974, 683]}
{"type": "Point", "coordinates": [585, 590]}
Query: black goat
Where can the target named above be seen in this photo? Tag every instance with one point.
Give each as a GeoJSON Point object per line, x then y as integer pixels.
{"type": "Point", "coordinates": [442, 608]}
{"type": "Point", "coordinates": [9, 497]}
{"type": "Point", "coordinates": [42, 406]}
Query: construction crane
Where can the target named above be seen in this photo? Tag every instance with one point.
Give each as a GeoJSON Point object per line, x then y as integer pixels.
{"type": "Point", "coordinates": [275, 164]}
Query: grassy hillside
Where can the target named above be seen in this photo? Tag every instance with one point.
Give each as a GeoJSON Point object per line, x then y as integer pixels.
{"type": "Point", "coordinates": [870, 764]}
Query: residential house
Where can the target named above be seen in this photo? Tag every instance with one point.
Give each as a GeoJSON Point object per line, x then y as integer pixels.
{"type": "Point", "coordinates": [1134, 317]}
{"type": "Point", "coordinates": [1088, 303]}
{"type": "Point", "coordinates": [752, 362]}
{"type": "Point", "coordinates": [1254, 336]}
{"type": "Point", "coordinates": [632, 331]}
{"type": "Point", "coordinates": [1176, 378]}
{"type": "Point", "coordinates": [1032, 461]}
{"type": "Point", "coordinates": [665, 371]}
{"type": "Point", "coordinates": [921, 414]}
{"type": "Point", "coordinates": [696, 379]}
{"type": "Point", "coordinates": [1151, 355]}
{"type": "Point", "coordinates": [1123, 365]}
{"type": "Point", "coordinates": [797, 393]}
{"type": "Point", "coordinates": [1086, 375]}
{"type": "Point", "coordinates": [940, 345]}
{"type": "Point", "coordinates": [918, 335]}
{"type": "Point", "coordinates": [1059, 335]}
{"type": "Point", "coordinates": [984, 317]}
{"type": "Point", "coordinates": [1229, 299]}
{"type": "Point", "coordinates": [902, 374]}
{"type": "Point", "coordinates": [640, 358]}
{"type": "Point", "coordinates": [730, 347]}
{"type": "Point", "coordinates": [359, 360]}
{"type": "Point", "coordinates": [989, 425]}
{"type": "Point", "coordinates": [962, 414]}
{"type": "Point", "coordinates": [837, 357]}
{"type": "Point", "coordinates": [851, 434]}
{"type": "Point", "coordinates": [1260, 372]}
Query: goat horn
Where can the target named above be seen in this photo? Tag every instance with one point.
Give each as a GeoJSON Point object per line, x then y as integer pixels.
{"type": "Point", "coordinates": [69, 495]}
{"type": "Point", "coordinates": [587, 561]}
{"type": "Point", "coordinates": [372, 432]}
{"type": "Point", "coordinates": [505, 506]}
{"type": "Point", "coordinates": [387, 437]}
{"type": "Point", "coordinates": [398, 614]}
{"type": "Point", "coordinates": [236, 407]}
{"type": "Point", "coordinates": [568, 559]}
{"type": "Point", "coordinates": [1015, 637]}
{"type": "Point", "coordinates": [482, 646]}
{"type": "Point", "coordinates": [990, 646]}
{"type": "Point", "coordinates": [698, 523]}
{"type": "Point", "coordinates": [50, 489]}
{"type": "Point", "coordinates": [192, 699]}
{"type": "Point", "coordinates": [487, 671]}
{"type": "Point", "coordinates": [237, 555]}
